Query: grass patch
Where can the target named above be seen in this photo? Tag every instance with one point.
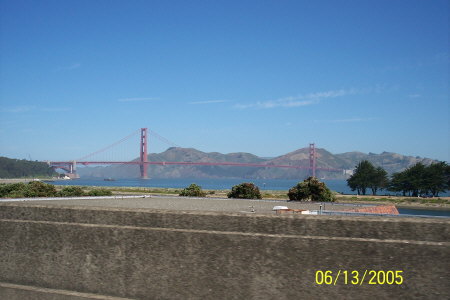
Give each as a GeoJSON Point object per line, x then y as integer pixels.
{"type": "Point", "coordinates": [129, 190]}
{"type": "Point", "coordinates": [392, 199]}
{"type": "Point", "coordinates": [272, 194]}
{"type": "Point", "coordinates": [437, 201]}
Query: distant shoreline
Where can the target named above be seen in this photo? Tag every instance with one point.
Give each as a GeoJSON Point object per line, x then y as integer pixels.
{"type": "Point", "coordinates": [18, 180]}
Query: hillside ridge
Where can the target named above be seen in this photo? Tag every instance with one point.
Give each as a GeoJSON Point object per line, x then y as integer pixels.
{"type": "Point", "coordinates": [391, 162]}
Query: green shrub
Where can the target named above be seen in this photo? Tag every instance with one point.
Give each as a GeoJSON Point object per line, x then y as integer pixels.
{"type": "Point", "coordinates": [40, 189]}
{"type": "Point", "coordinates": [99, 192]}
{"type": "Point", "coordinates": [311, 189]}
{"type": "Point", "coordinates": [27, 190]}
{"type": "Point", "coordinates": [16, 189]}
{"type": "Point", "coordinates": [71, 191]}
{"type": "Point", "coordinates": [193, 191]}
{"type": "Point", "coordinates": [245, 191]}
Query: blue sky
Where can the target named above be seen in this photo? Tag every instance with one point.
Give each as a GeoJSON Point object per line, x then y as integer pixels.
{"type": "Point", "coordinates": [266, 77]}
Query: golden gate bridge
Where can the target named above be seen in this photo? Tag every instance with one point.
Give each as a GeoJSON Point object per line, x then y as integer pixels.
{"type": "Point", "coordinates": [71, 166]}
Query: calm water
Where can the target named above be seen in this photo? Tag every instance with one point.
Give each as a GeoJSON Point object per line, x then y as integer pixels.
{"type": "Point", "coordinates": [224, 184]}
{"type": "Point", "coordinates": [424, 212]}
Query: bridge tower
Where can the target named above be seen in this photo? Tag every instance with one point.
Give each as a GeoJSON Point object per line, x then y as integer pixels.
{"type": "Point", "coordinates": [73, 170]}
{"type": "Point", "coordinates": [312, 160]}
{"type": "Point", "coordinates": [143, 154]}
{"type": "Point", "coordinates": [72, 167]}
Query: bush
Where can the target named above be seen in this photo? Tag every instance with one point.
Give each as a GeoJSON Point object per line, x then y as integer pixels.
{"type": "Point", "coordinates": [71, 191]}
{"type": "Point", "coordinates": [245, 191]}
{"type": "Point", "coordinates": [40, 189]}
{"type": "Point", "coordinates": [26, 190]}
{"type": "Point", "coordinates": [12, 190]}
{"type": "Point", "coordinates": [193, 191]}
{"type": "Point", "coordinates": [99, 192]}
{"type": "Point", "coordinates": [311, 189]}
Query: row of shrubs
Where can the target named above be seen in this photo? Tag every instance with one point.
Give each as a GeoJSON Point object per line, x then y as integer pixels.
{"type": "Point", "coordinates": [311, 189]}
{"type": "Point", "coordinates": [40, 189]}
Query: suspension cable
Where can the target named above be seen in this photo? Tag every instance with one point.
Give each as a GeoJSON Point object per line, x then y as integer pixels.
{"type": "Point", "coordinates": [110, 146]}
{"type": "Point", "coordinates": [162, 139]}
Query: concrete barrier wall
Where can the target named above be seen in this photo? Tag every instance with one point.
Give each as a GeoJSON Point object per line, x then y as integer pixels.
{"type": "Point", "coordinates": [143, 254]}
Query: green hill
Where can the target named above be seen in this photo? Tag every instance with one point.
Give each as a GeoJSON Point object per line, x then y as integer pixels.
{"type": "Point", "coordinates": [21, 168]}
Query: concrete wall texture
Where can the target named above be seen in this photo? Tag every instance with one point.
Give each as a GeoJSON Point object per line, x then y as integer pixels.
{"type": "Point", "coordinates": [56, 252]}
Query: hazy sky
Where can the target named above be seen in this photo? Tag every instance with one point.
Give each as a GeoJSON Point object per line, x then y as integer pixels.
{"type": "Point", "coordinates": [266, 77]}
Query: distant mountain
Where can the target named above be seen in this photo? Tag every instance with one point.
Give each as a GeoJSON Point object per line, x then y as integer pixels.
{"type": "Point", "coordinates": [300, 157]}
{"type": "Point", "coordinates": [181, 155]}
{"type": "Point", "coordinates": [391, 162]}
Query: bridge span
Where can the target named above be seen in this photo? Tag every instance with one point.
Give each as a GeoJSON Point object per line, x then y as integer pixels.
{"type": "Point", "coordinates": [71, 166]}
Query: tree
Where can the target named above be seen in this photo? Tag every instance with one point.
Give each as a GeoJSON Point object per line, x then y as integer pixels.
{"type": "Point", "coordinates": [378, 180]}
{"type": "Point", "coordinates": [422, 180]}
{"type": "Point", "coordinates": [193, 191]}
{"type": "Point", "coordinates": [362, 177]}
{"type": "Point", "coordinates": [416, 179]}
{"type": "Point", "coordinates": [367, 176]}
{"type": "Point", "coordinates": [436, 178]}
{"type": "Point", "coordinates": [399, 183]}
{"type": "Point", "coordinates": [311, 189]}
{"type": "Point", "coordinates": [447, 176]}
{"type": "Point", "coordinates": [245, 191]}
